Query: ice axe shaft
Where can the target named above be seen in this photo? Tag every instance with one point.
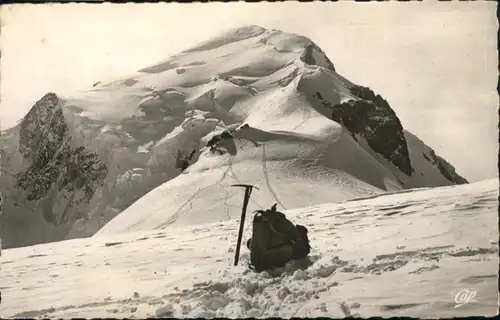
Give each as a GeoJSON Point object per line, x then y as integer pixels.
{"type": "Point", "coordinates": [248, 192]}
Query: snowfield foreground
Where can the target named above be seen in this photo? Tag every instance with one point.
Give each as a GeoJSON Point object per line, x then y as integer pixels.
{"type": "Point", "coordinates": [408, 253]}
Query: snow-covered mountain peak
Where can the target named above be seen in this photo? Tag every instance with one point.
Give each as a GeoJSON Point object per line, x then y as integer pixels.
{"type": "Point", "coordinates": [243, 61]}
{"type": "Point", "coordinates": [161, 147]}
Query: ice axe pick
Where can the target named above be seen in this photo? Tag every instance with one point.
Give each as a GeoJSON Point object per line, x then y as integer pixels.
{"type": "Point", "coordinates": [248, 192]}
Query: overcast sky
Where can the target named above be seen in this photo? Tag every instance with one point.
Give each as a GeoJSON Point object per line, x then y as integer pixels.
{"type": "Point", "coordinates": [435, 63]}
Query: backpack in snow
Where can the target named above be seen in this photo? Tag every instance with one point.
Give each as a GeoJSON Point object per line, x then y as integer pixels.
{"type": "Point", "coordinates": [276, 240]}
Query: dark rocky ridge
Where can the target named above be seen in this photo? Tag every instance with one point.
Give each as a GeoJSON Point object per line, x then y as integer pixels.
{"type": "Point", "coordinates": [446, 169]}
{"type": "Point", "coordinates": [58, 171]}
{"type": "Point", "coordinates": [372, 117]}
{"type": "Point", "coordinates": [308, 57]}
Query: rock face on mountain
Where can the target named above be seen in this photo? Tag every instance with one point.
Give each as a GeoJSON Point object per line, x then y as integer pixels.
{"type": "Point", "coordinates": [60, 176]}
{"type": "Point", "coordinates": [371, 117]}
{"type": "Point", "coordinates": [446, 169]}
{"type": "Point", "coordinates": [74, 163]}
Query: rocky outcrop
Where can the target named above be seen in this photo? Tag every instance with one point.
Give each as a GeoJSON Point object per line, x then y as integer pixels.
{"type": "Point", "coordinates": [371, 117]}
{"type": "Point", "coordinates": [313, 55]}
{"type": "Point", "coordinates": [446, 169]}
{"type": "Point", "coordinates": [222, 143]}
{"type": "Point", "coordinates": [183, 160]}
{"type": "Point", "coordinates": [59, 175]}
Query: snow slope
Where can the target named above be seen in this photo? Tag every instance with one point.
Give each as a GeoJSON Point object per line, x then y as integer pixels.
{"type": "Point", "coordinates": [409, 253]}
{"type": "Point", "coordinates": [288, 170]}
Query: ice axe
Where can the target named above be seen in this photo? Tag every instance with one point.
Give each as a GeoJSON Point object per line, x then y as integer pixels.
{"type": "Point", "coordinates": [248, 192]}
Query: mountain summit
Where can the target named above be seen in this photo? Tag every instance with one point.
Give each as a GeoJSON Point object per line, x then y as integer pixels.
{"type": "Point", "coordinates": [161, 147]}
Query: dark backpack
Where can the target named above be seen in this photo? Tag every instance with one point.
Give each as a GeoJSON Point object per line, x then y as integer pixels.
{"type": "Point", "coordinates": [276, 240]}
